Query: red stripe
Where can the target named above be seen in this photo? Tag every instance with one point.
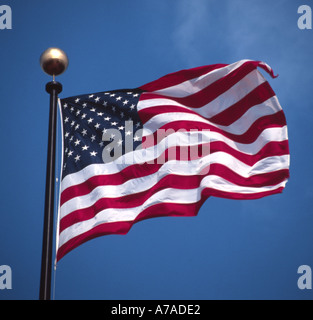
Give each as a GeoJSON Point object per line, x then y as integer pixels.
{"type": "Point", "coordinates": [271, 149]}
{"type": "Point", "coordinates": [274, 148]}
{"type": "Point", "coordinates": [129, 201]}
{"type": "Point", "coordinates": [211, 92]}
{"type": "Point", "coordinates": [133, 171]}
{"type": "Point", "coordinates": [146, 114]}
{"type": "Point", "coordinates": [158, 210]}
{"type": "Point", "coordinates": [257, 96]}
{"type": "Point", "coordinates": [178, 77]}
{"type": "Point", "coordinates": [176, 182]}
{"type": "Point", "coordinates": [270, 121]}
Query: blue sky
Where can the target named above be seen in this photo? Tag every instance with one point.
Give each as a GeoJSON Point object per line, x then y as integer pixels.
{"type": "Point", "coordinates": [233, 249]}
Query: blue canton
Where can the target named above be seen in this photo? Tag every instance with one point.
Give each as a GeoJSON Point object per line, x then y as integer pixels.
{"type": "Point", "coordinates": [86, 118]}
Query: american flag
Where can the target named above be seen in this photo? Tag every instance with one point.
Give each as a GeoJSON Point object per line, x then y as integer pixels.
{"type": "Point", "coordinates": [162, 149]}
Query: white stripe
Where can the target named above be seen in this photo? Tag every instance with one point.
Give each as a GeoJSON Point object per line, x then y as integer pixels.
{"type": "Point", "coordinates": [268, 135]}
{"type": "Point", "coordinates": [179, 138]}
{"type": "Point", "coordinates": [192, 86]}
{"type": "Point", "coordinates": [169, 195]}
{"type": "Point", "coordinates": [182, 168]}
{"type": "Point", "coordinates": [219, 104]}
{"type": "Point", "coordinates": [266, 108]}
{"type": "Point", "coordinates": [218, 183]}
{"type": "Point", "coordinates": [134, 186]}
{"type": "Point", "coordinates": [240, 126]}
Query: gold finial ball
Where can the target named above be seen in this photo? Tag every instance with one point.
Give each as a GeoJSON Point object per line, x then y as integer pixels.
{"type": "Point", "coordinates": [54, 61]}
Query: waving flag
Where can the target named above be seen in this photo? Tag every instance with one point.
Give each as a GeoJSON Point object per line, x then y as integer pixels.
{"type": "Point", "coordinates": [162, 149]}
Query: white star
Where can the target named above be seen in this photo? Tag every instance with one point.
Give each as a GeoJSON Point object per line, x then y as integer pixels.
{"type": "Point", "coordinates": [65, 105]}
{"type": "Point", "coordinates": [70, 153]}
{"type": "Point", "coordinates": [93, 109]}
{"type": "Point", "coordinates": [77, 126]}
{"type": "Point", "coordinates": [118, 98]}
{"type": "Point", "coordinates": [107, 118]}
{"type": "Point", "coordinates": [120, 128]}
{"type": "Point", "coordinates": [135, 95]}
{"type": "Point", "coordinates": [91, 96]}
{"type": "Point", "coordinates": [128, 133]}
{"type": "Point", "coordinates": [77, 112]}
{"type": "Point", "coordinates": [114, 123]}
{"type": "Point", "coordinates": [122, 114]}
{"type": "Point", "coordinates": [77, 158]}
{"type": "Point", "coordinates": [132, 106]}
{"type": "Point", "coordinates": [77, 142]}
{"type": "Point", "coordinates": [100, 114]}
{"type": "Point", "coordinates": [84, 132]}
{"type": "Point", "coordinates": [84, 116]}
{"type": "Point", "coordinates": [77, 100]}
{"type": "Point", "coordinates": [66, 119]}
{"type": "Point", "coordinates": [84, 105]}
{"type": "Point", "coordinates": [97, 125]}
{"type": "Point", "coordinates": [119, 142]}
{"type": "Point", "coordinates": [85, 147]}
{"type": "Point", "coordinates": [112, 95]}
{"type": "Point", "coordinates": [93, 153]}
{"type": "Point", "coordinates": [93, 138]}
{"type": "Point", "coordinates": [66, 134]}
{"type": "Point", "coordinates": [105, 103]}
{"type": "Point", "coordinates": [89, 120]}
{"type": "Point", "coordinates": [125, 102]}
{"type": "Point", "coordinates": [136, 138]}
{"type": "Point", "coordinates": [97, 99]}
{"type": "Point", "coordinates": [72, 123]}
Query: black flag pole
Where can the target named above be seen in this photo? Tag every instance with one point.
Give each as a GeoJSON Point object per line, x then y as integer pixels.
{"type": "Point", "coordinates": [54, 62]}
{"type": "Point", "coordinates": [54, 88]}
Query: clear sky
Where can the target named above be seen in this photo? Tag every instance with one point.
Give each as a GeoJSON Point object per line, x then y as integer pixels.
{"type": "Point", "coordinates": [233, 249]}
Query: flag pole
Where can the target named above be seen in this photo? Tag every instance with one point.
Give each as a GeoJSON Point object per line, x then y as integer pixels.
{"type": "Point", "coordinates": [54, 62]}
